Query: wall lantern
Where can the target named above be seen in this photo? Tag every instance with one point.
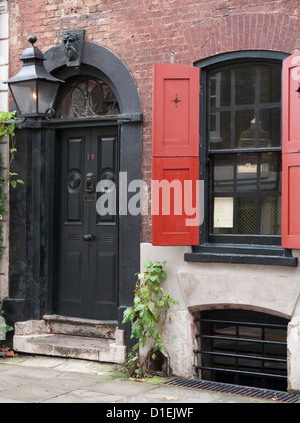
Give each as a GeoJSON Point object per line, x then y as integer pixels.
{"type": "Point", "coordinates": [33, 89]}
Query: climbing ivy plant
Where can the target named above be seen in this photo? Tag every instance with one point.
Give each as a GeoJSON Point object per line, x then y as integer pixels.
{"type": "Point", "coordinates": [150, 304]}
{"type": "Point", "coordinates": [7, 127]}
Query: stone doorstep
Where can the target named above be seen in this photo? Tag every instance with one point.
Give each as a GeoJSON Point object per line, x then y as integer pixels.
{"type": "Point", "coordinates": [68, 326]}
{"type": "Point", "coordinates": [70, 346]}
{"type": "Point", "coordinates": [71, 337]}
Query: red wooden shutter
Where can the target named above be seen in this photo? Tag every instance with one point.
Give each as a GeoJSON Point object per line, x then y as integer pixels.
{"type": "Point", "coordinates": [175, 150]}
{"type": "Point", "coordinates": [175, 111]}
{"type": "Point", "coordinates": [291, 152]}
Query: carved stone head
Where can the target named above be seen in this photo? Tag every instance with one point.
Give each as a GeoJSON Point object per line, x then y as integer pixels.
{"type": "Point", "coordinates": [72, 45]}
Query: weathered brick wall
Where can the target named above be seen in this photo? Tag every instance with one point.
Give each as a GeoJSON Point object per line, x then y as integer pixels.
{"type": "Point", "coordinates": [141, 32]}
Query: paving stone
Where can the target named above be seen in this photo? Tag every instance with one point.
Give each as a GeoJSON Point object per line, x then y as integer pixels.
{"type": "Point", "coordinates": [35, 379]}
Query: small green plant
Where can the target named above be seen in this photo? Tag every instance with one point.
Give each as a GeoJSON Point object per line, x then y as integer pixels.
{"type": "Point", "coordinates": [150, 305]}
{"type": "Point", "coordinates": [2, 313]}
{"type": "Point", "coordinates": [131, 366]}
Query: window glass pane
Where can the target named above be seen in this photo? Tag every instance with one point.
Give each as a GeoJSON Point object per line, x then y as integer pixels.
{"type": "Point", "coordinates": [250, 332]}
{"type": "Point", "coordinates": [245, 78]}
{"type": "Point", "coordinates": [270, 171]}
{"type": "Point", "coordinates": [247, 172]}
{"type": "Point", "coordinates": [219, 130]}
{"type": "Point", "coordinates": [245, 129]}
{"type": "Point", "coordinates": [270, 221]}
{"type": "Point", "coordinates": [225, 83]}
{"type": "Point", "coordinates": [223, 173]}
{"type": "Point", "coordinates": [220, 88]}
{"type": "Point", "coordinates": [270, 84]}
{"type": "Point", "coordinates": [270, 125]}
{"type": "Point", "coordinates": [246, 215]}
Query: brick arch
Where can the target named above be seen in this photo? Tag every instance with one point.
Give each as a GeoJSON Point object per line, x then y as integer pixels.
{"type": "Point", "coordinates": [257, 31]}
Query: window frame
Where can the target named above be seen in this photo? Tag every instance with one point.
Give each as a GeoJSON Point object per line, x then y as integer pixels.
{"type": "Point", "coordinates": [250, 251]}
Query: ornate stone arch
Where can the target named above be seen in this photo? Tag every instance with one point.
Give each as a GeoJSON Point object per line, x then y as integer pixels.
{"type": "Point", "coordinates": [108, 64]}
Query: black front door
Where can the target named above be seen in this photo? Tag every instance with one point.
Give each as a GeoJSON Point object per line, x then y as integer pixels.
{"type": "Point", "coordinates": [86, 265]}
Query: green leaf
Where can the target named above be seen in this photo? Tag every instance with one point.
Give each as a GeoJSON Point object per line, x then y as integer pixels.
{"type": "Point", "coordinates": [152, 307]}
{"type": "Point", "coordinates": [151, 331]}
{"type": "Point", "coordinates": [146, 316]}
{"type": "Point", "coordinates": [154, 278]}
{"type": "Point", "coordinates": [147, 263]}
{"type": "Point", "coordinates": [127, 315]}
{"type": "Point", "coordinates": [136, 299]}
{"type": "Point", "coordinates": [139, 307]}
{"type": "Point", "coordinates": [163, 351]}
{"type": "Point", "coordinates": [137, 330]}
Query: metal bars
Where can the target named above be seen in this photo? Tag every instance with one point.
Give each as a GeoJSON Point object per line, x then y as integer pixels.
{"type": "Point", "coordinates": [241, 351]}
{"type": "Point", "coordinates": [265, 394]}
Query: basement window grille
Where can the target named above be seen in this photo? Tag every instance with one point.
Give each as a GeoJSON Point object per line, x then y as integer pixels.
{"type": "Point", "coordinates": [243, 348]}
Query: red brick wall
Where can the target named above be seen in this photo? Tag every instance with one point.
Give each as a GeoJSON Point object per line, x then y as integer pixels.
{"type": "Point", "coordinates": [141, 32]}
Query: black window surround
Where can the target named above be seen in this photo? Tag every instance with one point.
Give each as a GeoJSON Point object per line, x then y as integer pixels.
{"type": "Point", "coordinates": [247, 249]}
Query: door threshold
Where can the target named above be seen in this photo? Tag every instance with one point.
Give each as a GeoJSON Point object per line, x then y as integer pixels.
{"type": "Point", "coordinates": [77, 326]}
{"type": "Point", "coordinates": [59, 317]}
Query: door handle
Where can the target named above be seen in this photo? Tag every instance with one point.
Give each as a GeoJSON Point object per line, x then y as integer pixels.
{"type": "Point", "coordinates": [88, 237]}
{"type": "Point", "coordinates": [89, 182]}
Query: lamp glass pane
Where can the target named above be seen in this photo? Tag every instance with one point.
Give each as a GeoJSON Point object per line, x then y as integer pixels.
{"type": "Point", "coordinates": [46, 95]}
{"type": "Point", "coordinates": [25, 96]}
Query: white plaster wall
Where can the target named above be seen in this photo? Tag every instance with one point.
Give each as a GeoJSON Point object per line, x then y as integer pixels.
{"type": "Point", "coordinates": [4, 145]}
{"type": "Point", "coordinates": [199, 286]}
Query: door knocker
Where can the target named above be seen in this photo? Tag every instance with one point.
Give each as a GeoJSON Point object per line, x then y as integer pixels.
{"type": "Point", "coordinates": [89, 182]}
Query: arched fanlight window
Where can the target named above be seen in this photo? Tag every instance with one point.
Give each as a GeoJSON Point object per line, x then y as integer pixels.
{"type": "Point", "coordinates": [83, 97]}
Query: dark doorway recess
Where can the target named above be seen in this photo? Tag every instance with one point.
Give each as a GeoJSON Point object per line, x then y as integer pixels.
{"type": "Point", "coordinates": [242, 347]}
{"type": "Point", "coordinates": [99, 110]}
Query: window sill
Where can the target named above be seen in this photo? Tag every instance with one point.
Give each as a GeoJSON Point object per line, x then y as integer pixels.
{"type": "Point", "coordinates": [273, 256]}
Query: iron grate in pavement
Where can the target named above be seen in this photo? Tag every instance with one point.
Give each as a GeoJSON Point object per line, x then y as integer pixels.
{"type": "Point", "coordinates": [226, 388]}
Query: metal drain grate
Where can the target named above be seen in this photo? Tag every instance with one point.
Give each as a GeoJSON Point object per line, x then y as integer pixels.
{"type": "Point", "coordinates": [226, 388]}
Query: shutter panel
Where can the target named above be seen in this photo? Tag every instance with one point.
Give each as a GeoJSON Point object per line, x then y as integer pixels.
{"type": "Point", "coordinates": [290, 226]}
{"type": "Point", "coordinates": [175, 201]}
{"type": "Point", "coordinates": [175, 150]}
{"type": "Point", "coordinates": [291, 104]}
{"type": "Point", "coordinates": [291, 152]}
{"type": "Point", "coordinates": [175, 111]}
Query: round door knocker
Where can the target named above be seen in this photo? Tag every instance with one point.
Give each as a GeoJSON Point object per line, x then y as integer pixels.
{"type": "Point", "coordinates": [109, 177]}
{"type": "Point", "coordinates": [74, 180]}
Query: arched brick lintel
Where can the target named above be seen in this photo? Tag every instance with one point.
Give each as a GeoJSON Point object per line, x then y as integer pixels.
{"type": "Point", "coordinates": [258, 31]}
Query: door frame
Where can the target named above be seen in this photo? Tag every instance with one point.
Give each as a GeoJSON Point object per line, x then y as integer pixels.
{"type": "Point", "coordinates": [31, 229]}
